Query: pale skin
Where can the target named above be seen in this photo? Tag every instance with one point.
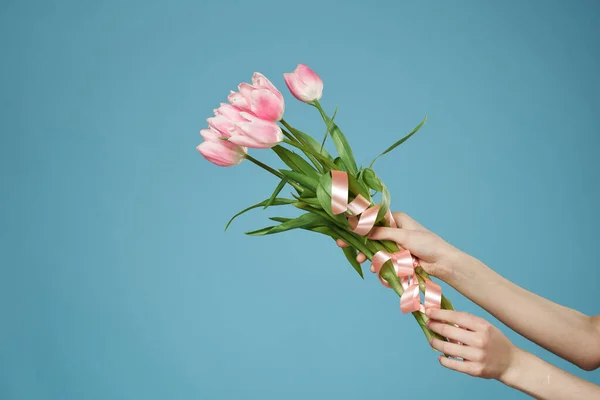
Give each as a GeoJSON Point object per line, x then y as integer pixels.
{"type": "Point", "coordinates": [484, 350]}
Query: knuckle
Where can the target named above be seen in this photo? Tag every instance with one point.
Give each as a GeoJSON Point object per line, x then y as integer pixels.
{"type": "Point", "coordinates": [444, 347]}
{"type": "Point", "coordinates": [477, 370]}
{"type": "Point", "coordinates": [486, 327]}
{"type": "Point", "coordinates": [482, 357]}
{"type": "Point", "coordinates": [464, 315]}
{"type": "Point", "coordinates": [400, 214]}
{"type": "Point", "coordinates": [443, 330]}
{"type": "Point", "coordinates": [485, 340]}
{"type": "Point", "coordinates": [479, 342]}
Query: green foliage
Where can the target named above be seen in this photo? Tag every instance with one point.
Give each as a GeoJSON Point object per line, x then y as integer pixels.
{"type": "Point", "coordinates": [276, 192]}
{"type": "Point", "coordinates": [305, 221]}
{"type": "Point", "coordinates": [313, 144]}
{"type": "Point", "coordinates": [305, 180]}
{"type": "Point", "coordinates": [370, 178]}
{"type": "Point", "coordinates": [296, 162]}
{"type": "Point", "coordinates": [351, 253]}
{"type": "Point", "coordinates": [324, 197]}
{"type": "Point", "coordinates": [275, 202]}
{"type": "Point", "coordinates": [399, 142]}
{"type": "Point", "coordinates": [339, 140]}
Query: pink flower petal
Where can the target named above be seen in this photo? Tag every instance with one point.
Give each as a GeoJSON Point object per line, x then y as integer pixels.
{"type": "Point", "coordinates": [248, 142]}
{"type": "Point", "coordinates": [221, 124]}
{"type": "Point", "coordinates": [230, 112]}
{"type": "Point", "coordinates": [264, 104]}
{"type": "Point", "coordinates": [211, 134]}
{"type": "Point", "coordinates": [222, 153]}
{"type": "Point", "coordinates": [239, 101]}
{"type": "Point", "coordinates": [265, 132]}
{"type": "Point", "coordinates": [261, 81]}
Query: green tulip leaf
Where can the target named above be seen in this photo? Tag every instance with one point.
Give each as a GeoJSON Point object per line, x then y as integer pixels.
{"type": "Point", "coordinates": [313, 143]}
{"type": "Point", "coordinates": [307, 181]}
{"type": "Point", "coordinates": [339, 140]}
{"type": "Point", "coordinates": [329, 126]}
{"type": "Point", "coordinates": [399, 142]}
{"type": "Point", "coordinates": [296, 162]}
{"type": "Point", "coordinates": [304, 221]}
{"type": "Point", "coordinates": [275, 202]}
{"type": "Point", "coordinates": [351, 253]}
{"type": "Point", "coordinates": [370, 178]}
{"type": "Point", "coordinates": [324, 197]}
{"type": "Point", "coordinates": [276, 192]}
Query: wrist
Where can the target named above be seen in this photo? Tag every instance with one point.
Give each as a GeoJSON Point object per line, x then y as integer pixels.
{"type": "Point", "coordinates": [516, 367]}
{"type": "Point", "coordinates": [458, 266]}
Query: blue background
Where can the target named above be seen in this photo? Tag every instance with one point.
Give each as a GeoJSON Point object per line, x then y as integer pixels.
{"type": "Point", "coordinates": [118, 281]}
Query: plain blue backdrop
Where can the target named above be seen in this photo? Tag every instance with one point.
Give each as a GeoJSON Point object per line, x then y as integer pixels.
{"type": "Point", "coordinates": [117, 280]}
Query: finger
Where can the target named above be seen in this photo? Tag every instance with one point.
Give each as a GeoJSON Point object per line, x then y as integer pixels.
{"type": "Point", "coordinates": [465, 367]}
{"type": "Point", "coordinates": [454, 350]}
{"type": "Point", "coordinates": [452, 332]}
{"type": "Point", "coordinates": [463, 319]}
{"type": "Point", "coordinates": [400, 236]}
{"type": "Point", "coordinates": [341, 243]}
{"type": "Point", "coordinates": [361, 258]}
{"type": "Point", "coordinates": [403, 220]}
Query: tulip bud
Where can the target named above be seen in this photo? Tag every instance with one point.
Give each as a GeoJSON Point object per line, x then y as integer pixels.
{"type": "Point", "coordinates": [222, 152]}
{"type": "Point", "coordinates": [304, 84]}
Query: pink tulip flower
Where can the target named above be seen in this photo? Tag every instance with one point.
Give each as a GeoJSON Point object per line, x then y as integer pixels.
{"type": "Point", "coordinates": [222, 152]}
{"type": "Point", "coordinates": [225, 119]}
{"type": "Point", "coordinates": [256, 133]}
{"type": "Point", "coordinates": [242, 128]}
{"type": "Point", "coordinates": [304, 84]}
{"type": "Point", "coordinates": [261, 98]}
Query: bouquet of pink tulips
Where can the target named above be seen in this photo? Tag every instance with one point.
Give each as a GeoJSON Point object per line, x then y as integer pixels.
{"type": "Point", "coordinates": [335, 195]}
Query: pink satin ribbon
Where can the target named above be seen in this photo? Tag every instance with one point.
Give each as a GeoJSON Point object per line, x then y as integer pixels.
{"type": "Point", "coordinates": [362, 217]}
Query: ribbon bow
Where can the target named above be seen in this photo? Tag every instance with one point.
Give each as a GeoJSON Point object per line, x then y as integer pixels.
{"type": "Point", "coordinates": [362, 218]}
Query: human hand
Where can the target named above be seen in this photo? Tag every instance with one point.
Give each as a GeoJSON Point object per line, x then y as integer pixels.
{"type": "Point", "coordinates": [485, 351]}
{"type": "Point", "coordinates": [436, 256]}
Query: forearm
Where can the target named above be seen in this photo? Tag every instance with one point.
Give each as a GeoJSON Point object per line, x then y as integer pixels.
{"type": "Point", "coordinates": [544, 381]}
{"type": "Point", "coordinates": [563, 331]}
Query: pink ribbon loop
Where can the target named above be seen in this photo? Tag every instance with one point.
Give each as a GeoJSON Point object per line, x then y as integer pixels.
{"type": "Point", "coordinates": [362, 218]}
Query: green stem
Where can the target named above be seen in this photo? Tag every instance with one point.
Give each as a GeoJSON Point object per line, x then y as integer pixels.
{"type": "Point", "coordinates": [298, 141]}
{"type": "Point", "coordinates": [352, 241]}
{"type": "Point", "coordinates": [274, 172]}
{"type": "Point", "coordinates": [294, 143]}
{"type": "Point", "coordinates": [291, 129]}
{"type": "Point", "coordinates": [326, 118]}
{"type": "Point", "coordinates": [309, 152]}
{"type": "Point", "coordinates": [288, 135]}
